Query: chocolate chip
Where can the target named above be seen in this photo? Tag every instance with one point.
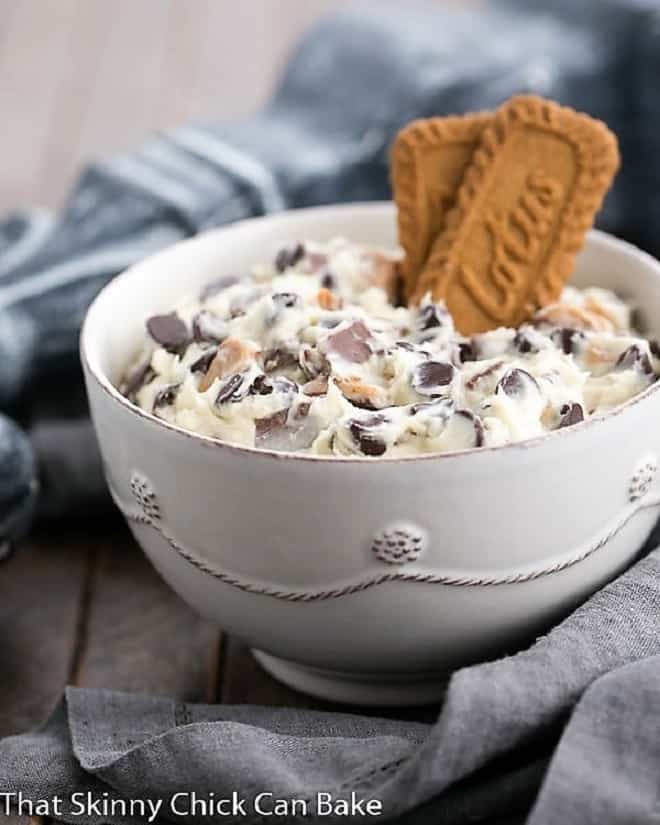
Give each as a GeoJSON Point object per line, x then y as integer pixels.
{"type": "Point", "coordinates": [203, 363]}
{"type": "Point", "coordinates": [166, 396]}
{"type": "Point", "coordinates": [285, 299]}
{"type": "Point", "coordinates": [141, 375]}
{"type": "Point", "coordinates": [654, 346]}
{"type": "Point", "coordinates": [634, 357]}
{"type": "Point", "coordinates": [467, 352]}
{"type": "Point", "coordinates": [278, 359]}
{"type": "Point", "coordinates": [430, 316]}
{"type": "Point", "coordinates": [567, 339]}
{"type": "Point", "coordinates": [440, 408]}
{"type": "Point", "coordinates": [289, 256]}
{"type": "Point", "coordinates": [264, 426]}
{"type": "Point", "coordinates": [328, 281]}
{"type": "Point", "coordinates": [217, 286]}
{"type": "Point", "coordinates": [350, 343]}
{"type": "Point", "coordinates": [429, 376]}
{"type": "Point", "coordinates": [229, 391]}
{"type": "Point", "coordinates": [478, 426]}
{"type": "Point", "coordinates": [515, 382]}
{"type": "Point", "coordinates": [208, 327]}
{"type": "Point", "coordinates": [405, 345]}
{"type": "Point", "coordinates": [571, 414]}
{"type": "Point", "coordinates": [522, 343]}
{"type": "Point", "coordinates": [368, 442]}
{"type": "Point", "coordinates": [169, 331]}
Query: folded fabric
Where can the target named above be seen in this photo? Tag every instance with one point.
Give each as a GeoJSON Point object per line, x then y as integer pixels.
{"type": "Point", "coordinates": [483, 759]}
{"type": "Point", "coordinates": [324, 137]}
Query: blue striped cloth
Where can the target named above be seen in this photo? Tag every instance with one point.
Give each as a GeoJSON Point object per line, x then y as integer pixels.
{"type": "Point", "coordinates": [353, 81]}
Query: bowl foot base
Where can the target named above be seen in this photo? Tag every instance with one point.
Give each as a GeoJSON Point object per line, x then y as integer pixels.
{"type": "Point", "coordinates": [355, 688]}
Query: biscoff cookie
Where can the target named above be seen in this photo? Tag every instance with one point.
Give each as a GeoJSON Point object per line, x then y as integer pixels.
{"type": "Point", "coordinates": [530, 194]}
{"type": "Point", "coordinates": [428, 161]}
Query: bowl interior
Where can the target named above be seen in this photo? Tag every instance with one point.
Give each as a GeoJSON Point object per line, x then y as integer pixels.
{"type": "Point", "coordinates": [114, 329]}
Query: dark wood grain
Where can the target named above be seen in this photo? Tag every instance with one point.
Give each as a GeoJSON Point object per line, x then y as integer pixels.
{"type": "Point", "coordinates": [40, 598]}
{"type": "Point", "coordinates": [138, 635]}
{"type": "Point", "coordinates": [244, 682]}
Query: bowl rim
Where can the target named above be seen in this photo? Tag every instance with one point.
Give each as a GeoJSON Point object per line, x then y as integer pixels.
{"type": "Point", "coordinates": [93, 369]}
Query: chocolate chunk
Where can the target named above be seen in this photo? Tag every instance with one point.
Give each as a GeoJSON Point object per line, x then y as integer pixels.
{"type": "Point", "coordinates": [368, 442]}
{"type": "Point", "coordinates": [141, 375]}
{"type": "Point", "coordinates": [429, 376]}
{"type": "Point", "coordinates": [567, 339]}
{"type": "Point", "coordinates": [166, 396]}
{"type": "Point", "coordinates": [477, 424]}
{"type": "Point", "coordinates": [350, 343]}
{"type": "Point", "coordinates": [515, 382]}
{"type": "Point", "coordinates": [217, 286]}
{"type": "Point", "coordinates": [634, 357]}
{"type": "Point", "coordinates": [328, 281]}
{"type": "Point", "coordinates": [229, 391]}
{"type": "Point", "coordinates": [289, 256]}
{"type": "Point", "coordinates": [285, 299]}
{"type": "Point", "coordinates": [278, 359]}
{"type": "Point", "coordinates": [207, 327]}
{"type": "Point", "coordinates": [406, 345]}
{"type": "Point", "coordinates": [654, 346]}
{"type": "Point", "coordinates": [169, 331]}
{"type": "Point", "coordinates": [261, 386]}
{"type": "Point", "coordinates": [203, 363]}
{"type": "Point", "coordinates": [431, 316]}
{"type": "Point", "coordinates": [265, 426]}
{"type": "Point", "coordinates": [571, 414]}
{"type": "Point", "coordinates": [467, 352]}
{"type": "Point", "coordinates": [523, 344]}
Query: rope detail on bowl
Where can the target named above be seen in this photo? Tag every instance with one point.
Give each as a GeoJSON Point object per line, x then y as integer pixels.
{"type": "Point", "coordinates": [147, 519]}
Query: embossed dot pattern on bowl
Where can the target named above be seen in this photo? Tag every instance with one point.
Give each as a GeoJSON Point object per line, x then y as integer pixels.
{"type": "Point", "coordinates": [145, 495]}
{"type": "Point", "coordinates": [399, 543]}
{"type": "Point", "coordinates": [643, 478]}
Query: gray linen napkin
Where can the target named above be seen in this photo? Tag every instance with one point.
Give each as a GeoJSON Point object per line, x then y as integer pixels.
{"type": "Point", "coordinates": [483, 760]}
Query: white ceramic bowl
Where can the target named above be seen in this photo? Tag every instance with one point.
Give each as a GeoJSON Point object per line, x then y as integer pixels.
{"type": "Point", "coordinates": [366, 580]}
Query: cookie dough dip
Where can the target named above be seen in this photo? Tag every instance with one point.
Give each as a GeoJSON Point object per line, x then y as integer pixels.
{"type": "Point", "coordinates": [309, 353]}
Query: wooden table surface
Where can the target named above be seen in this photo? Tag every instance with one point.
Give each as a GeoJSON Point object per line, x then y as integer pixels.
{"type": "Point", "coordinates": [79, 78]}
